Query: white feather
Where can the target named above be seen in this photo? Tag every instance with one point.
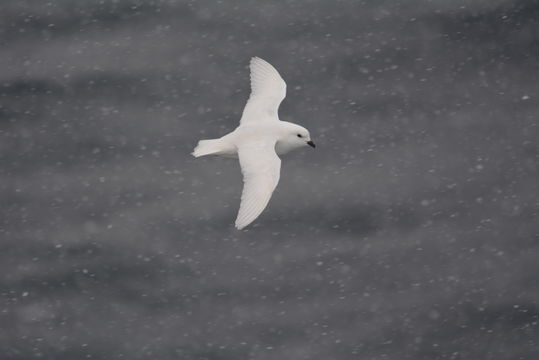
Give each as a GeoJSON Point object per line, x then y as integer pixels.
{"type": "Point", "coordinates": [256, 140]}
{"type": "Point", "coordinates": [268, 89]}
{"type": "Point", "coordinates": [261, 168]}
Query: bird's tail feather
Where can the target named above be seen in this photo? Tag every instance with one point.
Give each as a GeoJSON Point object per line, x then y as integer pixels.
{"type": "Point", "coordinates": [207, 147]}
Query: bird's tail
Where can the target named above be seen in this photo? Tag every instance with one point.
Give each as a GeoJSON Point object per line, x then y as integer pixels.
{"type": "Point", "coordinates": [208, 147]}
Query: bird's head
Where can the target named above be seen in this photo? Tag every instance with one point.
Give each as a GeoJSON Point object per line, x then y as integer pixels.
{"type": "Point", "coordinates": [294, 136]}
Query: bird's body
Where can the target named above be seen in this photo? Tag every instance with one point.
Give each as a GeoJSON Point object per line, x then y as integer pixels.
{"type": "Point", "coordinates": [258, 140]}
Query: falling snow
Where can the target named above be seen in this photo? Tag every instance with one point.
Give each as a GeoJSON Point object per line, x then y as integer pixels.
{"type": "Point", "coordinates": [411, 232]}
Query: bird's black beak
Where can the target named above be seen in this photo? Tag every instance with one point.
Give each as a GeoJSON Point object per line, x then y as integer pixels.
{"type": "Point", "coordinates": [311, 144]}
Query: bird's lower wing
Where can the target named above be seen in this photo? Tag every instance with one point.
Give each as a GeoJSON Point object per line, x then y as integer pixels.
{"type": "Point", "coordinates": [261, 168]}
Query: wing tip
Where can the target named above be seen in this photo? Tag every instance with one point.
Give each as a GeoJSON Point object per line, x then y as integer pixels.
{"type": "Point", "coordinates": [240, 226]}
{"type": "Point", "coordinates": [242, 221]}
{"type": "Point", "coordinates": [258, 60]}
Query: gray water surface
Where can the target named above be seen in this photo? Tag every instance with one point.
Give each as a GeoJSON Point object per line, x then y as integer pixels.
{"type": "Point", "coordinates": [411, 232]}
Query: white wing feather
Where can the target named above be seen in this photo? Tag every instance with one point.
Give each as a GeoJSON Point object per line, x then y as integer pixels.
{"type": "Point", "coordinates": [261, 168]}
{"type": "Point", "coordinates": [268, 89]}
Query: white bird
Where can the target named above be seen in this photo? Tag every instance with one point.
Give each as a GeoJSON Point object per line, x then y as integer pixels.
{"type": "Point", "coordinates": [257, 141]}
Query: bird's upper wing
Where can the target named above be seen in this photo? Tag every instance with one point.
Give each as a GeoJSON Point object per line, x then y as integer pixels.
{"type": "Point", "coordinates": [268, 89]}
{"type": "Point", "coordinates": [261, 168]}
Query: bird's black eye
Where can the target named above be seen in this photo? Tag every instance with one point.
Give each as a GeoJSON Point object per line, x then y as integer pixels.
{"type": "Point", "coordinates": [299, 135]}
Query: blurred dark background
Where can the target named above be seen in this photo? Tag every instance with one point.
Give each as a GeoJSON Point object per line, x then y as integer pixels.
{"type": "Point", "coordinates": [411, 232]}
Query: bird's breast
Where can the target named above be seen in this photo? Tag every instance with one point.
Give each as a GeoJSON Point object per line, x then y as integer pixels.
{"type": "Point", "coordinates": [282, 147]}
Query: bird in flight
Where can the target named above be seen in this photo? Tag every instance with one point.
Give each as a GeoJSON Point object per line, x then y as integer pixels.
{"type": "Point", "coordinates": [258, 141]}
